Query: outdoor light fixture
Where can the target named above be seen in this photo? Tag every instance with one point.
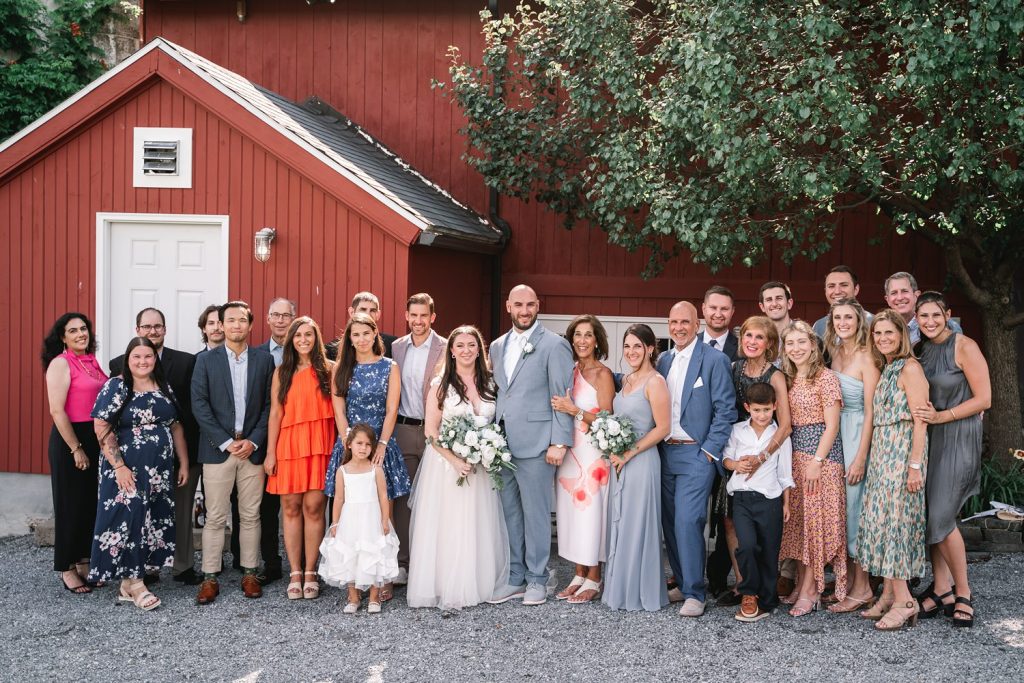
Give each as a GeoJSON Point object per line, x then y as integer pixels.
{"type": "Point", "coordinates": [240, 11]}
{"type": "Point", "coordinates": [261, 248]}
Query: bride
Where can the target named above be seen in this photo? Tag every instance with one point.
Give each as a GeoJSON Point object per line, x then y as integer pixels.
{"type": "Point", "coordinates": [459, 544]}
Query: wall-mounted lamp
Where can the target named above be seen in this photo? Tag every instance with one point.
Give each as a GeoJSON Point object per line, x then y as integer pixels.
{"type": "Point", "coordinates": [261, 248]}
{"type": "Point", "coordinates": [241, 10]}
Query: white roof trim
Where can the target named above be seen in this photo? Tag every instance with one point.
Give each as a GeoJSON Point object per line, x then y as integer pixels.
{"type": "Point", "coordinates": [42, 120]}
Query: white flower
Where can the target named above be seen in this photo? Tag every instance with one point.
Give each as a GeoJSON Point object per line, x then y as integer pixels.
{"type": "Point", "coordinates": [460, 449]}
{"type": "Point", "coordinates": [527, 349]}
{"type": "Point", "coordinates": [451, 433]}
{"type": "Point", "coordinates": [506, 457]}
{"type": "Point", "coordinates": [614, 428]}
{"type": "Point", "coordinates": [471, 438]}
{"type": "Point", "coordinates": [473, 458]}
{"type": "Point", "coordinates": [602, 444]}
{"type": "Point", "coordinates": [488, 434]}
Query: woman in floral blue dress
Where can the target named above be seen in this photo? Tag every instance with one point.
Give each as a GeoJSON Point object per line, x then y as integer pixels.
{"type": "Point", "coordinates": [367, 388]}
{"type": "Point", "coordinates": [137, 423]}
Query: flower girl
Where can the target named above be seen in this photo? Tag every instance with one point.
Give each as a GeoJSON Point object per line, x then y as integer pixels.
{"type": "Point", "coordinates": [360, 550]}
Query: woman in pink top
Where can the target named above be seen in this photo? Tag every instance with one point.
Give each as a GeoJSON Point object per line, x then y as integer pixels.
{"type": "Point", "coordinates": [73, 380]}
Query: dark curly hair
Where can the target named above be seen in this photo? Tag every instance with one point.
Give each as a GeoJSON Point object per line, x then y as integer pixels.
{"type": "Point", "coordinates": [53, 342]}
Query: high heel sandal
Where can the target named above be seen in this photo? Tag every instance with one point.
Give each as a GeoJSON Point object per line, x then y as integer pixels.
{"type": "Point", "coordinates": [856, 602]}
{"type": "Point", "coordinates": [799, 611]}
{"type": "Point", "coordinates": [967, 620]}
{"type": "Point", "coordinates": [887, 624]}
{"type": "Point", "coordinates": [878, 611]}
{"type": "Point", "coordinates": [930, 594]}
{"type": "Point", "coordinates": [81, 589]}
{"type": "Point", "coordinates": [294, 590]}
{"type": "Point", "coordinates": [310, 589]}
{"type": "Point", "coordinates": [791, 598]}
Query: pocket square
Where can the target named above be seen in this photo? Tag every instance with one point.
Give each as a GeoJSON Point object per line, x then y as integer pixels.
{"type": "Point", "coordinates": [699, 383]}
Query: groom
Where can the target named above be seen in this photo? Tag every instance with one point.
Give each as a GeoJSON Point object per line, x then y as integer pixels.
{"type": "Point", "coordinates": [530, 365]}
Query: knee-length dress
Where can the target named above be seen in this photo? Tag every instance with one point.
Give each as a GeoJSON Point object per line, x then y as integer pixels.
{"type": "Point", "coordinates": [851, 428]}
{"type": "Point", "coordinates": [890, 540]}
{"type": "Point", "coordinates": [954, 448]}
{"type": "Point", "coordinates": [634, 577]}
{"type": "Point", "coordinates": [816, 532]}
{"type": "Point", "coordinates": [582, 488]}
{"type": "Point", "coordinates": [135, 532]}
{"type": "Point", "coordinates": [367, 402]}
{"type": "Point", "coordinates": [305, 438]}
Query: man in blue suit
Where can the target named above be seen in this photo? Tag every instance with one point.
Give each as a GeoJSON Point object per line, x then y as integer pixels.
{"type": "Point", "coordinates": [703, 410]}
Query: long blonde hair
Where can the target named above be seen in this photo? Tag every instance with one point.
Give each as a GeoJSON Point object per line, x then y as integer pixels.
{"type": "Point", "coordinates": [817, 361]}
{"type": "Point", "coordinates": [860, 338]}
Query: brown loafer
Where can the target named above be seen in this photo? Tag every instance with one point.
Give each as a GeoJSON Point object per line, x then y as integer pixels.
{"type": "Point", "coordinates": [208, 592]}
{"type": "Point", "coordinates": [748, 606]}
{"type": "Point", "coordinates": [251, 586]}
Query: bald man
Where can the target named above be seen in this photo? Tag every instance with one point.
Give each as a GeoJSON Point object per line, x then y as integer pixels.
{"type": "Point", "coordinates": [703, 410]}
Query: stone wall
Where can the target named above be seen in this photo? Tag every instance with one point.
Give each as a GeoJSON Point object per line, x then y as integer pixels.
{"type": "Point", "coordinates": [990, 534]}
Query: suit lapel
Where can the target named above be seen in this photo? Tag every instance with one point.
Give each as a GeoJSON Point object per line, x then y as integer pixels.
{"type": "Point", "coordinates": [436, 349]}
{"type": "Point", "coordinates": [398, 349]}
{"type": "Point", "coordinates": [692, 371]}
{"type": "Point", "coordinates": [250, 380]}
{"type": "Point", "coordinates": [498, 361]}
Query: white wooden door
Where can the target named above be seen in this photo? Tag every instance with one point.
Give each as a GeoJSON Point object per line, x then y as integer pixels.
{"type": "Point", "coordinates": [177, 264]}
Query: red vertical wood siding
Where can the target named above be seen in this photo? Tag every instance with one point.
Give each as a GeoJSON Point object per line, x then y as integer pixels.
{"type": "Point", "coordinates": [458, 281]}
{"type": "Point", "coordinates": [375, 61]}
{"type": "Point", "coordinates": [325, 252]}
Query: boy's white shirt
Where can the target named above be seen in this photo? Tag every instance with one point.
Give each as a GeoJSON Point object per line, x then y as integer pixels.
{"type": "Point", "coordinates": [772, 477]}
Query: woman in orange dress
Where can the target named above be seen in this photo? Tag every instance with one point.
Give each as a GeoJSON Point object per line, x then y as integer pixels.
{"type": "Point", "coordinates": [300, 437]}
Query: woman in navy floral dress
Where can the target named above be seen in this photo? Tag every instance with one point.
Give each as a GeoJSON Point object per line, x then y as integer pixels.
{"type": "Point", "coordinates": [137, 423]}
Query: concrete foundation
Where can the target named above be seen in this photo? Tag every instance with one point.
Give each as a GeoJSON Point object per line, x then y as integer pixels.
{"type": "Point", "coordinates": [26, 504]}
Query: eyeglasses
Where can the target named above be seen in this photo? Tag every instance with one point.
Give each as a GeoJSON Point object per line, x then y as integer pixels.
{"type": "Point", "coordinates": [281, 316]}
{"type": "Point", "coordinates": [151, 328]}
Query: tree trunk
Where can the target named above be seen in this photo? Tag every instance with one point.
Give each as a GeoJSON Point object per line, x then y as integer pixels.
{"type": "Point", "coordinates": [1003, 420]}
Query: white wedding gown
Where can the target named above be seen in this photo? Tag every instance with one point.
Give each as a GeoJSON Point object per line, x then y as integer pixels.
{"type": "Point", "coordinates": [458, 541]}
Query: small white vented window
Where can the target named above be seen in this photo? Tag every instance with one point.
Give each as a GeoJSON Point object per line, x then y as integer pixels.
{"type": "Point", "coordinates": [162, 157]}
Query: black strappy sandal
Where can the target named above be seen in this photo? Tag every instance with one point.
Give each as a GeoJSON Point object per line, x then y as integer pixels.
{"type": "Point", "coordinates": [929, 594]}
{"type": "Point", "coordinates": [967, 618]}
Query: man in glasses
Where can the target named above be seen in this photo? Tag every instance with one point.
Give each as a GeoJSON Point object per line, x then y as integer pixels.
{"type": "Point", "coordinates": [177, 368]}
{"type": "Point", "coordinates": [279, 318]}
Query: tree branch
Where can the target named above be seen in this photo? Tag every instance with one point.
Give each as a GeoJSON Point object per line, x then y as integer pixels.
{"type": "Point", "coordinates": [1012, 321]}
{"type": "Point", "coordinates": [955, 263]}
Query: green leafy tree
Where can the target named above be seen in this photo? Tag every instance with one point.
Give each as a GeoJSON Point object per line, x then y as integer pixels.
{"type": "Point", "coordinates": [49, 55]}
{"type": "Point", "coordinates": [715, 127]}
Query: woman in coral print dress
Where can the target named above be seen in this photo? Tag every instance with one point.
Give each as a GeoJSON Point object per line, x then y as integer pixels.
{"type": "Point", "coordinates": [582, 480]}
{"type": "Point", "coordinates": [815, 534]}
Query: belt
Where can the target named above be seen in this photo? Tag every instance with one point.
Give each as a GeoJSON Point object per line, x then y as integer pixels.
{"type": "Point", "coordinates": [680, 442]}
{"type": "Point", "coordinates": [238, 436]}
{"type": "Point", "coordinates": [412, 421]}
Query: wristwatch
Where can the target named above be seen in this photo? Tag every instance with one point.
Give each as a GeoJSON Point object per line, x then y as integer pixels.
{"type": "Point", "coordinates": [560, 445]}
{"type": "Point", "coordinates": [579, 415]}
{"type": "Point", "coordinates": [915, 465]}
{"type": "Point", "coordinates": [819, 460]}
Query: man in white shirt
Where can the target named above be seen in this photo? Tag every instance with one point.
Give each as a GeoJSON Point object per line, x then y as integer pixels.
{"type": "Point", "coordinates": [901, 294]}
{"type": "Point", "coordinates": [760, 490]}
{"type": "Point", "coordinates": [418, 355]}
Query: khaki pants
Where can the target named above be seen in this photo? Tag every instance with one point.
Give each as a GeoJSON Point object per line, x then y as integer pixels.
{"type": "Point", "coordinates": [184, 507]}
{"type": "Point", "coordinates": [218, 480]}
{"type": "Point", "coordinates": [411, 441]}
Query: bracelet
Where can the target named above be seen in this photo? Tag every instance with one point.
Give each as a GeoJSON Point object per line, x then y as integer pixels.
{"type": "Point", "coordinates": [915, 465]}
{"type": "Point", "coordinates": [75, 448]}
{"type": "Point", "coordinates": [952, 413]}
{"type": "Point", "coordinates": [120, 466]}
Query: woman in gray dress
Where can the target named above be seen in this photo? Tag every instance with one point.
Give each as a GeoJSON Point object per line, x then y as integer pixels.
{"type": "Point", "coordinates": [634, 575]}
{"type": "Point", "coordinates": [960, 390]}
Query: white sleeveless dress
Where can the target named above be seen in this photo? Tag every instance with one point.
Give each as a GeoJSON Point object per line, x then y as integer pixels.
{"type": "Point", "coordinates": [458, 541]}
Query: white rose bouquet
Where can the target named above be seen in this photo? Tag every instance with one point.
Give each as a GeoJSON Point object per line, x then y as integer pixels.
{"type": "Point", "coordinates": [485, 446]}
{"type": "Point", "coordinates": [612, 434]}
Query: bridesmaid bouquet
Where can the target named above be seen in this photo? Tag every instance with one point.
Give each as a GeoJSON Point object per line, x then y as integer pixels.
{"type": "Point", "coordinates": [612, 434]}
{"type": "Point", "coordinates": [485, 446]}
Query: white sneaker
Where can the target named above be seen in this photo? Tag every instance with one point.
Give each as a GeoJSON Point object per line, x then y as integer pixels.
{"type": "Point", "coordinates": [402, 578]}
{"type": "Point", "coordinates": [691, 608]}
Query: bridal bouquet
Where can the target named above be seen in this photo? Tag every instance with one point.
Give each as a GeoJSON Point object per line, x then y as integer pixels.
{"type": "Point", "coordinates": [612, 434]}
{"type": "Point", "coordinates": [484, 446]}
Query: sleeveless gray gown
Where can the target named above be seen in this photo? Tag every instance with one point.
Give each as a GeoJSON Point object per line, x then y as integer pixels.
{"type": "Point", "coordinates": [954, 448]}
{"type": "Point", "coordinates": [634, 577]}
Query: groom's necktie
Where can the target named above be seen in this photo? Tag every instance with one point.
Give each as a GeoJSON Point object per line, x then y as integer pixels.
{"type": "Point", "coordinates": [713, 343]}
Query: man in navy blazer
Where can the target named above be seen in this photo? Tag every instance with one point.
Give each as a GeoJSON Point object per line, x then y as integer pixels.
{"type": "Point", "coordinates": [703, 410]}
{"type": "Point", "coordinates": [231, 403]}
{"type": "Point", "coordinates": [718, 308]}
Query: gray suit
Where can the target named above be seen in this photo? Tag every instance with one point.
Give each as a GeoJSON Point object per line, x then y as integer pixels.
{"type": "Point", "coordinates": [524, 405]}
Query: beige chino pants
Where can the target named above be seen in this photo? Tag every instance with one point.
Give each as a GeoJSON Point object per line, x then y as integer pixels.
{"type": "Point", "coordinates": [218, 480]}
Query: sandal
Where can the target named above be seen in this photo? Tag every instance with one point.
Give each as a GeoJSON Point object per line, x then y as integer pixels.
{"type": "Point", "coordinates": [791, 598]}
{"type": "Point", "coordinates": [144, 600]}
{"type": "Point", "coordinates": [81, 589]}
{"type": "Point", "coordinates": [373, 608]}
{"type": "Point", "coordinates": [84, 575]}
{"type": "Point", "coordinates": [897, 622]}
{"type": "Point", "coordinates": [967, 618]}
{"type": "Point", "coordinates": [350, 608]}
{"type": "Point", "coordinates": [310, 589]}
{"type": "Point", "coordinates": [799, 611]}
{"type": "Point", "coordinates": [882, 605]}
{"type": "Point", "coordinates": [592, 587]}
{"type": "Point", "coordinates": [937, 602]}
{"type": "Point", "coordinates": [572, 588]}
{"type": "Point", "coordinates": [294, 590]}
{"type": "Point", "coordinates": [854, 604]}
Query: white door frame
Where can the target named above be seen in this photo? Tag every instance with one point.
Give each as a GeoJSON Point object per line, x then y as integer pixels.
{"type": "Point", "coordinates": [104, 223]}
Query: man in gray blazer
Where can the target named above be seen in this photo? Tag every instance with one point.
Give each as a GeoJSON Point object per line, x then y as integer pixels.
{"type": "Point", "coordinates": [418, 354]}
{"type": "Point", "coordinates": [231, 403]}
{"type": "Point", "coordinates": [530, 366]}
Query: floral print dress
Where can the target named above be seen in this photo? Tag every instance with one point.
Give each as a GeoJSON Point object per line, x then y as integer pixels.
{"type": "Point", "coordinates": [135, 532]}
{"type": "Point", "coordinates": [367, 402]}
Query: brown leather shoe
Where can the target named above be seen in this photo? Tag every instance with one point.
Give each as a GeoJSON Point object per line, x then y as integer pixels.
{"type": "Point", "coordinates": [251, 586]}
{"type": "Point", "coordinates": [784, 586]}
{"type": "Point", "coordinates": [208, 592]}
{"type": "Point", "coordinates": [748, 605]}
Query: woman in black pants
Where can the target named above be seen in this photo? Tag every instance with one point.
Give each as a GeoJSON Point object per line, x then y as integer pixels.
{"type": "Point", "coordinates": [73, 379]}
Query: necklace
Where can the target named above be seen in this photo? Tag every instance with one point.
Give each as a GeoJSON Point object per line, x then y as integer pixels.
{"type": "Point", "coordinates": [88, 371]}
{"type": "Point", "coordinates": [759, 370]}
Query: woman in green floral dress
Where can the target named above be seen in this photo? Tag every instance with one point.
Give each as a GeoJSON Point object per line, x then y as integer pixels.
{"type": "Point", "coordinates": [890, 540]}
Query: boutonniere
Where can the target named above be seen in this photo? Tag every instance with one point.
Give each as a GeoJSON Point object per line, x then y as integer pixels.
{"type": "Point", "coordinates": [527, 349]}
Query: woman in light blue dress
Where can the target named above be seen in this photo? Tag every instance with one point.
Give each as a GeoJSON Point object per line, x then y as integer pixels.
{"type": "Point", "coordinates": [846, 338]}
{"type": "Point", "coordinates": [634, 571]}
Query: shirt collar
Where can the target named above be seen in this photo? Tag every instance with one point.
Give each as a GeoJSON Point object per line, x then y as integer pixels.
{"type": "Point", "coordinates": [771, 428]}
{"type": "Point", "coordinates": [273, 345]}
{"type": "Point", "coordinates": [243, 356]}
{"type": "Point", "coordinates": [521, 337]}
{"type": "Point", "coordinates": [686, 351]}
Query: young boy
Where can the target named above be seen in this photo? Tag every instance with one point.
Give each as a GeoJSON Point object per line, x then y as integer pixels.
{"type": "Point", "coordinates": [760, 491]}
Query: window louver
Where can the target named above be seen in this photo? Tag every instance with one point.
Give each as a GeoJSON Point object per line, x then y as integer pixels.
{"type": "Point", "coordinates": [160, 157]}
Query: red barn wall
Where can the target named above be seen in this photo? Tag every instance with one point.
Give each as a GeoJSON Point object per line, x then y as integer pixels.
{"type": "Point", "coordinates": [375, 62]}
{"type": "Point", "coordinates": [458, 281]}
{"type": "Point", "coordinates": [324, 253]}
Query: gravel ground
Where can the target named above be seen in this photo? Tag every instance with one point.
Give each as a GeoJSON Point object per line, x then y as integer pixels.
{"type": "Point", "coordinates": [48, 634]}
